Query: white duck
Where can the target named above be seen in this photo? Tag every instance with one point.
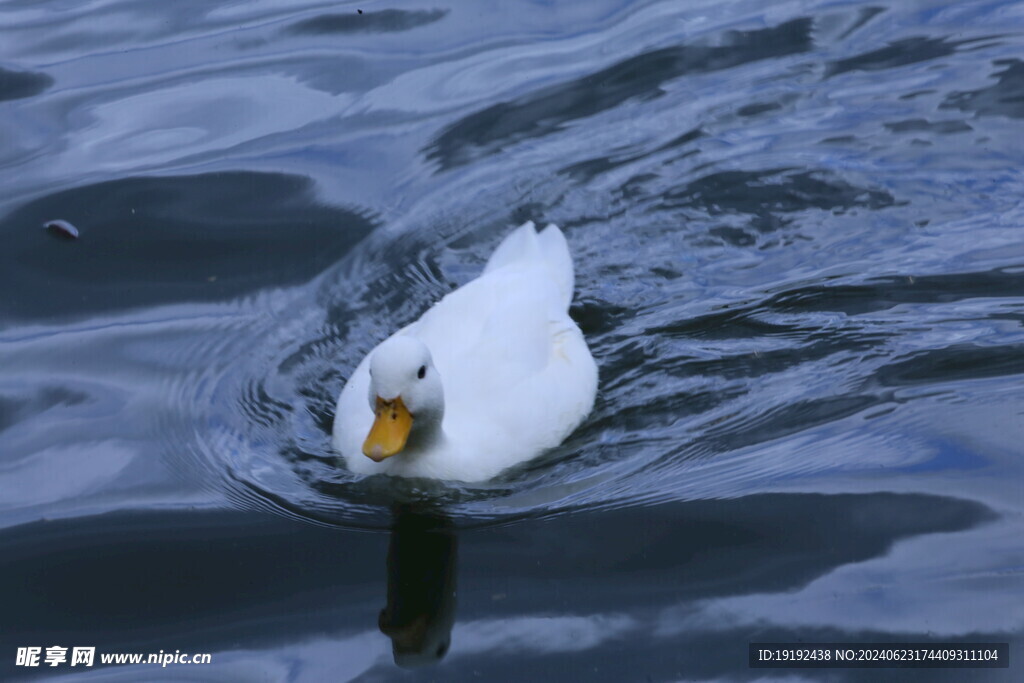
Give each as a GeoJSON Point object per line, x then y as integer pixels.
{"type": "Point", "coordinates": [494, 374]}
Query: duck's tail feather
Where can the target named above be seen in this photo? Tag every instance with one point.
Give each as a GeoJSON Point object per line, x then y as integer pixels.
{"type": "Point", "coordinates": [518, 246]}
{"type": "Point", "coordinates": [555, 251]}
{"type": "Point", "coordinates": [549, 247]}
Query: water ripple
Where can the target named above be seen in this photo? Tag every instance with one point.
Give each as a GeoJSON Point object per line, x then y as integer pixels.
{"type": "Point", "coordinates": [791, 228]}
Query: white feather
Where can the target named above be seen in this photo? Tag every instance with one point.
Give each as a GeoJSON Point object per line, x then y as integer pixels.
{"type": "Point", "coordinates": [516, 373]}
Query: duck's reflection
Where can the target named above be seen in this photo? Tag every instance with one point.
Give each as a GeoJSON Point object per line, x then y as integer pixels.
{"type": "Point", "coordinates": [420, 610]}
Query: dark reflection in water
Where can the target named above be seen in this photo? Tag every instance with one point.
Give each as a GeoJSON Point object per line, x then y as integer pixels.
{"type": "Point", "coordinates": [1003, 98]}
{"type": "Point", "coordinates": [757, 108]}
{"type": "Point", "coordinates": [18, 84]}
{"type": "Point", "coordinates": [368, 22]}
{"type": "Point", "coordinates": [589, 169]}
{"type": "Point", "coordinates": [896, 54]}
{"type": "Point", "coordinates": [209, 580]}
{"type": "Point", "coordinates": [880, 294]}
{"type": "Point", "coordinates": [548, 110]}
{"type": "Point", "coordinates": [765, 194]}
{"type": "Point", "coordinates": [160, 239]}
{"type": "Point", "coordinates": [919, 125]}
{"type": "Point", "coordinates": [420, 611]}
{"type": "Point", "coordinates": [957, 362]}
{"type": "Point", "coordinates": [14, 409]}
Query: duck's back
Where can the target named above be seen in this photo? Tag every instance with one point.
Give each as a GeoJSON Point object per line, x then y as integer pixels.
{"type": "Point", "coordinates": [517, 374]}
{"type": "Point", "coordinates": [516, 370]}
{"type": "Point", "coordinates": [499, 328]}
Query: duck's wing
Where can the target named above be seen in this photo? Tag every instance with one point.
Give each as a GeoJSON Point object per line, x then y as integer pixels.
{"type": "Point", "coordinates": [490, 333]}
{"type": "Point", "coordinates": [500, 329]}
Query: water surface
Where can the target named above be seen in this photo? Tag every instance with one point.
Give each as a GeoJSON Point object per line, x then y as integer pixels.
{"type": "Point", "coordinates": [797, 236]}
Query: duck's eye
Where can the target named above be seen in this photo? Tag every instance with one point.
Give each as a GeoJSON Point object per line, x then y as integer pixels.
{"type": "Point", "coordinates": [423, 372]}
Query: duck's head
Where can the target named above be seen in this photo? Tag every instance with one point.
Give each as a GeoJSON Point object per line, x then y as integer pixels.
{"type": "Point", "coordinates": [405, 393]}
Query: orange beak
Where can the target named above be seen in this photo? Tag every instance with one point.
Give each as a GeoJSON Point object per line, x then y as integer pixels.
{"type": "Point", "coordinates": [390, 429]}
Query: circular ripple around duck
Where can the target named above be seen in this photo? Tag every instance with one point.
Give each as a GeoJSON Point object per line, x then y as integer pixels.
{"type": "Point", "coordinates": [261, 416]}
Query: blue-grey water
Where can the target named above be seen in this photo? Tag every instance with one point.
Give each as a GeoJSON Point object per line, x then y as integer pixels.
{"type": "Point", "coordinates": [797, 229]}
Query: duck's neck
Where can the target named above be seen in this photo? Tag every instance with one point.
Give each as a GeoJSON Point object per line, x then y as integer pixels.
{"type": "Point", "coordinates": [427, 435]}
